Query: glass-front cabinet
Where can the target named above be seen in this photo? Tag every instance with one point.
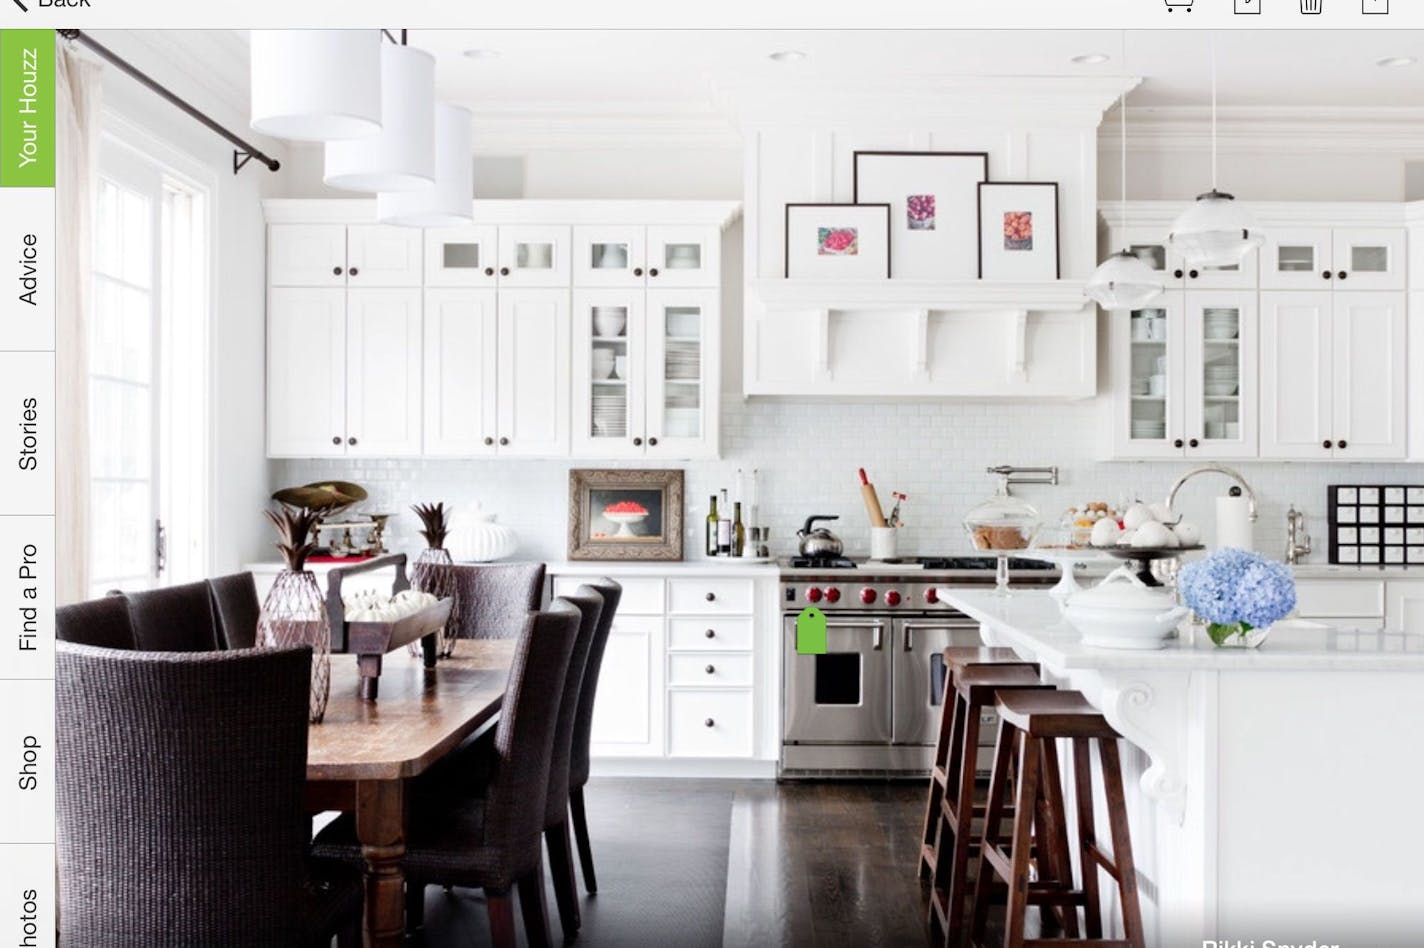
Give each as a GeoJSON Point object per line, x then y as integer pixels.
{"type": "Point", "coordinates": [641, 372]}
{"type": "Point", "coordinates": [652, 256]}
{"type": "Point", "coordinates": [1149, 245]}
{"type": "Point", "coordinates": [515, 255]}
{"type": "Point", "coordinates": [1188, 380]}
{"type": "Point", "coordinates": [1325, 258]}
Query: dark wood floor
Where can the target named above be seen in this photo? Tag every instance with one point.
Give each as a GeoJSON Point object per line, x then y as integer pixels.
{"type": "Point", "coordinates": [742, 863]}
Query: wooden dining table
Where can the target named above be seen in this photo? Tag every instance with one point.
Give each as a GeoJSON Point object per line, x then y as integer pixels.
{"type": "Point", "coordinates": [360, 757]}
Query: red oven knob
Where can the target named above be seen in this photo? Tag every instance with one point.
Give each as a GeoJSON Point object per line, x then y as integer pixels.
{"type": "Point", "coordinates": [833, 595]}
{"type": "Point", "coordinates": [931, 595]}
{"type": "Point", "coordinates": [813, 594]}
{"type": "Point", "coordinates": [867, 595]}
{"type": "Point", "coordinates": [892, 598]}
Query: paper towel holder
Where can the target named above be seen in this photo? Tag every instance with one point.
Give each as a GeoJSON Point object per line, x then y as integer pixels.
{"type": "Point", "coordinates": [1216, 469]}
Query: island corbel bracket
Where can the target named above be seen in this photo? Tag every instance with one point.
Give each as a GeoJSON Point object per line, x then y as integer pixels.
{"type": "Point", "coordinates": [1150, 710]}
{"type": "Point", "coordinates": [1018, 345]}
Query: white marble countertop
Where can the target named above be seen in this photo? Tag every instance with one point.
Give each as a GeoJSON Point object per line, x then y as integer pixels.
{"type": "Point", "coordinates": [731, 566]}
{"type": "Point", "coordinates": [1326, 571]}
{"type": "Point", "coordinates": [1030, 621]}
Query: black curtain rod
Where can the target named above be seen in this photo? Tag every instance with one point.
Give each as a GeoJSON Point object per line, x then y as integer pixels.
{"type": "Point", "coordinates": [243, 152]}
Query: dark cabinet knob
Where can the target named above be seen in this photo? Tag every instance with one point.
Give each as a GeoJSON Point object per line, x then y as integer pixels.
{"type": "Point", "coordinates": [504, 441]}
{"type": "Point", "coordinates": [652, 442]}
{"type": "Point", "coordinates": [637, 442]}
{"type": "Point", "coordinates": [1326, 274]}
{"type": "Point", "coordinates": [1342, 274]}
{"type": "Point", "coordinates": [351, 441]}
{"type": "Point", "coordinates": [711, 597]}
{"type": "Point", "coordinates": [336, 439]}
{"type": "Point", "coordinates": [1328, 444]}
{"type": "Point", "coordinates": [489, 271]}
{"type": "Point", "coordinates": [652, 271]}
{"type": "Point", "coordinates": [1177, 443]}
{"type": "Point", "coordinates": [489, 441]}
{"type": "Point", "coordinates": [711, 633]}
{"type": "Point", "coordinates": [504, 271]}
{"type": "Point", "coordinates": [1193, 443]}
{"type": "Point", "coordinates": [1193, 274]}
{"type": "Point", "coordinates": [637, 271]}
{"type": "Point", "coordinates": [336, 271]}
{"type": "Point", "coordinates": [353, 271]}
{"type": "Point", "coordinates": [711, 669]}
{"type": "Point", "coordinates": [1342, 444]}
{"type": "Point", "coordinates": [708, 723]}
{"type": "Point", "coordinates": [1177, 274]}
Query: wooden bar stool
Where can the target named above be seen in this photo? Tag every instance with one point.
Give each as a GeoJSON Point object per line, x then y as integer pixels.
{"type": "Point", "coordinates": [1030, 724]}
{"type": "Point", "coordinates": [976, 688]}
{"type": "Point", "coordinates": [955, 657]}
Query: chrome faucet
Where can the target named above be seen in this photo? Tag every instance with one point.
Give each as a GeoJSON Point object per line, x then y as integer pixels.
{"type": "Point", "coordinates": [1216, 469]}
{"type": "Point", "coordinates": [1297, 540]}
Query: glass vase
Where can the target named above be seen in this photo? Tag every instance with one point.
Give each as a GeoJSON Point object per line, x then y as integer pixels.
{"type": "Point", "coordinates": [1236, 634]}
{"type": "Point", "coordinates": [294, 613]}
{"type": "Point", "coordinates": [434, 573]}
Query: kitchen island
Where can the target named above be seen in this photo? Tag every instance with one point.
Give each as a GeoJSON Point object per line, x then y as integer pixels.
{"type": "Point", "coordinates": [1274, 794]}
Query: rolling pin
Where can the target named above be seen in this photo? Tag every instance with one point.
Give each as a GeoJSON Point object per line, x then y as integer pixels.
{"type": "Point", "coordinates": [872, 501]}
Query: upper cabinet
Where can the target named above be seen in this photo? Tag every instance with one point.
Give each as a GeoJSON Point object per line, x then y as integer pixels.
{"type": "Point", "coordinates": [654, 256]}
{"type": "Point", "coordinates": [489, 256]}
{"type": "Point", "coordinates": [1149, 245]}
{"type": "Point", "coordinates": [335, 255]}
{"type": "Point", "coordinates": [1343, 258]}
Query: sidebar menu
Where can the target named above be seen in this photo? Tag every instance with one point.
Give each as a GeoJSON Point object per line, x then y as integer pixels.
{"type": "Point", "coordinates": [29, 247]}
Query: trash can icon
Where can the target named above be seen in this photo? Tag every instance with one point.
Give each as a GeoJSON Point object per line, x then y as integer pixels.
{"type": "Point", "coordinates": [1310, 7]}
{"type": "Point", "coordinates": [1174, 5]}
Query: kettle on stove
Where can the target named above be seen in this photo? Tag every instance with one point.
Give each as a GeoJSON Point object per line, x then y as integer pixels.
{"type": "Point", "coordinates": [819, 542]}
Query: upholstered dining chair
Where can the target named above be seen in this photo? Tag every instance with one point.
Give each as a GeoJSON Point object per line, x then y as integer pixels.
{"type": "Point", "coordinates": [496, 598]}
{"type": "Point", "coordinates": [485, 828]}
{"type": "Point", "coordinates": [174, 618]}
{"type": "Point", "coordinates": [180, 780]}
{"type": "Point", "coordinates": [611, 592]}
{"type": "Point", "coordinates": [100, 622]}
{"type": "Point", "coordinates": [236, 609]}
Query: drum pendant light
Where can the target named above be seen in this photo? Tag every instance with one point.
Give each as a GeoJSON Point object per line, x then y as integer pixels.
{"type": "Point", "coordinates": [450, 201]}
{"type": "Point", "coordinates": [1215, 231]}
{"type": "Point", "coordinates": [316, 85]}
{"type": "Point", "coordinates": [1124, 280]}
{"type": "Point", "coordinates": [402, 156]}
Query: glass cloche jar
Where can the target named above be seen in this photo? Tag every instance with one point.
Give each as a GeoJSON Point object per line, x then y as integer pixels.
{"type": "Point", "coordinates": [1003, 522]}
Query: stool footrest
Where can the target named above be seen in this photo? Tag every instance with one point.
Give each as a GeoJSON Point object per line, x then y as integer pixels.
{"type": "Point", "coordinates": [939, 776]}
{"type": "Point", "coordinates": [1094, 853]}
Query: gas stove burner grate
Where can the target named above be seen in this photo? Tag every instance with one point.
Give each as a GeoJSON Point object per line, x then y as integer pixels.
{"type": "Point", "coordinates": [821, 562]}
{"type": "Point", "coordinates": [979, 562]}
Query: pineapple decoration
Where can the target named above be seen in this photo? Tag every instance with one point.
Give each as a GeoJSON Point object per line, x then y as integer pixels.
{"type": "Point", "coordinates": [434, 572]}
{"type": "Point", "coordinates": [295, 612]}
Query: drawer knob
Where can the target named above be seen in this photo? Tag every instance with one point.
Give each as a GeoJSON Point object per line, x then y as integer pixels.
{"type": "Point", "coordinates": [711, 633]}
{"type": "Point", "coordinates": [504, 271]}
{"type": "Point", "coordinates": [1342, 274]}
{"type": "Point", "coordinates": [708, 723]}
{"type": "Point", "coordinates": [711, 597]}
{"type": "Point", "coordinates": [1343, 444]}
{"type": "Point", "coordinates": [637, 271]}
{"type": "Point", "coordinates": [504, 441]}
{"type": "Point", "coordinates": [353, 271]}
{"type": "Point", "coordinates": [711, 669]}
{"type": "Point", "coordinates": [336, 271]}
{"type": "Point", "coordinates": [489, 271]}
{"type": "Point", "coordinates": [489, 441]}
{"type": "Point", "coordinates": [336, 440]}
{"type": "Point", "coordinates": [351, 441]}
{"type": "Point", "coordinates": [1327, 444]}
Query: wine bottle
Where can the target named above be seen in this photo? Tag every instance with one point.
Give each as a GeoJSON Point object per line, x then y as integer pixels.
{"type": "Point", "coordinates": [724, 529]}
{"type": "Point", "coordinates": [712, 525]}
{"type": "Point", "coordinates": [739, 532]}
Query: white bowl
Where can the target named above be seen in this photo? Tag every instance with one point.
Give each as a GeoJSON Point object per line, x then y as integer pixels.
{"type": "Point", "coordinates": [1122, 612]}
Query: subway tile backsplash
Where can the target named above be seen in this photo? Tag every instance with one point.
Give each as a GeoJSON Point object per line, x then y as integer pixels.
{"type": "Point", "coordinates": [807, 453]}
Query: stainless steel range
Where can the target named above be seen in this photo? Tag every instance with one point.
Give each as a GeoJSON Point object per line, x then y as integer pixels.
{"type": "Point", "coordinates": [870, 705]}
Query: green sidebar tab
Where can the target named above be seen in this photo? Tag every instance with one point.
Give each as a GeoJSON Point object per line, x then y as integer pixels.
{"type": "Point", "coordinates": [27, 109]}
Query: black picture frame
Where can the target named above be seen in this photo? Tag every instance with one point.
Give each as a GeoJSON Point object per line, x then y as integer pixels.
{"type": "Point", "coordinates": [786, 228]}
{"type": "Point", "coordinates": [1057, 226]}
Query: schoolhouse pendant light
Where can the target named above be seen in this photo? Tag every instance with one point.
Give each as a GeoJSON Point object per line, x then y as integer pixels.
{"type": "Point", "coordinates": [1124, 280]}
{"type": "Point", "coordinates": [401, 157]}
{"type": "Point", "coordinates": [449, 202]}
{"type": "Point", "coordinates": [316, 85]}
{"type": "Point", "coordinates": [1215, 231]}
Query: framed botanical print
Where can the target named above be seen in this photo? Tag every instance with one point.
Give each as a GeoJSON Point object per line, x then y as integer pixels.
{"type": "Point", "coordinates": [838, 241]}
{"type": "Point", "coordinates": [933, 229]}
{"type": "Point", "coordinates": [625, 514]}
{"type": "Point", "coordinates": [1018, 230]}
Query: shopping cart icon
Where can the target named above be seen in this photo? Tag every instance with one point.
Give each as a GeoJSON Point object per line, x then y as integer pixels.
{"type": "Point", "coordinates": [1174, 5]}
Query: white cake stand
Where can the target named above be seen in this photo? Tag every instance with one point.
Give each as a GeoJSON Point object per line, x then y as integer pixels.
{"type": "Point", "coordinates": [1067, 560]}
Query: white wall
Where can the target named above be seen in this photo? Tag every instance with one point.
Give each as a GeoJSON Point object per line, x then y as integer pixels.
{"type": "Point", "coordinates": [1279, 176]}
{"type": "Point", "coordinates": [240, 487]}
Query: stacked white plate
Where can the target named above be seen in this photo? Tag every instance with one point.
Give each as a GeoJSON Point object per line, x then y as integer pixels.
{"type": "Point", "coordinates": [1222, 378]}
{"type": "Point", "coordinates": [1146, 429]}
{"type": "Point", "coordinates": [684, 360]}
{"type": "Point", "coordinates": [610, 412]}
{"type": "Point", "coordinates": [1222, 323]}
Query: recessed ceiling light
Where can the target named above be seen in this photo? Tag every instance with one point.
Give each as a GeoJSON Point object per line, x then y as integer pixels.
{"type": "Point", "coordinates": [481, 54]}
{"type": "Point", "coordinates": [1395, 61]}
{"type": "Point", "coordinates": [787, 56]}
{"type": "Point", "coordinates": [1091, 59]}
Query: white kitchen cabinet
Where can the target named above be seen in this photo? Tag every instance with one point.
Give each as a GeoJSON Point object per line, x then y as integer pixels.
{"type": "Point", "coordinates": [1333, 381]}
{"type": "Point", "coordinates": [1404, 606]}
{"type": "Point", "coordinates": [533, 339]}
{"type": "Point", "coordinates": [534, 255]}
{"type": "Point", "coordinates": [1185, 376]}
{"type": "Point", "coordinates": [306, 372]}
{"type": "Point", "coordinates": [368, 255]}
{"type": "Point", "coordinates": [627, 712]}
{"type": "Point", "coordinates": [1149, 244]}
{"type": "Point", "coordinates": [706, 723]}
{"type": "Point", "coordinates": [630, 255]}
{"type": "Point", "coordinates": [683, 373]}
{"type": "Point", "coordinates": [610, 255]}
{"type": "Point", "coordinates": [461, 354]}
{"type": "Point", "coordinates": [1340, 258]}
{"type": "Point", "coordinates": [383, 358]}
{"type": "Point", "coordinates": [461, 256]}
{"type": "Point", "coordinates": [382, 255]}
{"type": "Point", "coordinates": [684, 256]}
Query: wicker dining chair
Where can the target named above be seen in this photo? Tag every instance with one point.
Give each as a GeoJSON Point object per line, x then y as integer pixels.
{"type": "Point", "coordinates": [180, 780]}
{"type": "Point", "coordinates": [236, 608]}
{"type": "Point", "coordinates": [174, 618]}
{"type": "Point", "coordinates": [611, 592]}
{"type": "Point", "coordinates": [496, 598]}
{"type": "Point", "coordinates": [485, 830]}
{"type": "Point", "coordinates": [100, 622]}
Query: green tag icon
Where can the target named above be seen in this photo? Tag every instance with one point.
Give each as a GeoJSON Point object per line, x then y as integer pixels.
{"type": "Point", "coordinates": [811, 632]}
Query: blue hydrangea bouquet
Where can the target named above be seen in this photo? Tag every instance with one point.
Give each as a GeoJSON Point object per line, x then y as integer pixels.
{"type": "Point", "coordinates": [1238, 594]}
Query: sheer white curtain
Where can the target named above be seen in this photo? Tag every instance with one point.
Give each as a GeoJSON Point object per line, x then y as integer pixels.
{"type": "Point", "coordinates": [77, 99]}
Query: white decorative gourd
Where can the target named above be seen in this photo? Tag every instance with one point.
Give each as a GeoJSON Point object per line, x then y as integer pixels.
{"type": "Point", "coordinates": [480, 539]}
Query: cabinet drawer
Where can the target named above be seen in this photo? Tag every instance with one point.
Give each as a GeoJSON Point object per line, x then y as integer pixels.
{"type": "Point", "coordinates": [726, 633]}
{"type": "Point", "coordinates": [710, 596]}
{"type": "Point", "coordinates": [1343, 598]}
{"type": "Point", "coordinates": [727, 668]}
{"type": "Point", "coordinates": [710, 723]}
{"type": "Point", "coordinates": [642, 596]}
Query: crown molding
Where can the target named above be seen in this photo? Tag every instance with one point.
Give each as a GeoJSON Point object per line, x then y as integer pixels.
{"type": "Point", "coordinates": [516, 126]}
{"type": "Point", "coordinates": [1261, 129]}
{"type": "Point", "coordinates": [1161, 214]}
{"type": "Point", "coordinates": [517, 211]}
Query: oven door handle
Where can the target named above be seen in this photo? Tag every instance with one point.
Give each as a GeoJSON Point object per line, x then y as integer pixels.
{"type": "Point", "coordinates": [910, 628]}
